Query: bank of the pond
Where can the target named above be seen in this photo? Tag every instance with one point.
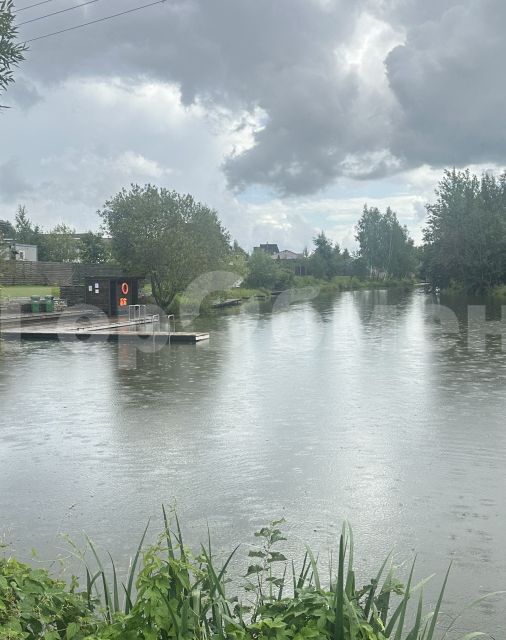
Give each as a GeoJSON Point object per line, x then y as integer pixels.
{"type": "Point", "coordinates": [352, 283]}
{"type": "Point", "coordinates": [182, 302]}
{"type": "Point", "coordinates": [171, 593]}
{"type": "Point", "coordinates": [336, 284]}
{"type": "Point", "coordinates": [497, 292]}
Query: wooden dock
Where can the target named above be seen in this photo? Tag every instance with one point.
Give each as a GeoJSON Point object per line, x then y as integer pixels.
{"type": "Point", "coordinates": [103, 335]}
{"type": "Point", "coordinates": [29, 319]}
{"type": "Point", "coordinates": [68, 328]}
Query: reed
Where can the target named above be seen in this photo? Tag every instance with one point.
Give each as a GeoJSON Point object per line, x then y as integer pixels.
{"type": "Point", "coordinates": [170, 592]}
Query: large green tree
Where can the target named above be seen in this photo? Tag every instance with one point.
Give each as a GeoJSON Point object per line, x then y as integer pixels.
{"type": "Point", "coordinates": [263, 270]}
{"type": "Point", "coordinates": [11, 51]}
{"type": "Point", "coordinates": [93, 249]}
{"type": "Point", "coordinates": [322, 258]}
{"type": "Point", "coordinates": [327, 260]}
{"type": "Point", "coordinates": [465, 237]}
{"type": "Point", "coordinates": [59, 245]}
{"type": "Point", "coordinates": [384, 245]}
{"type": "Point", "coordinates": [166, 236]}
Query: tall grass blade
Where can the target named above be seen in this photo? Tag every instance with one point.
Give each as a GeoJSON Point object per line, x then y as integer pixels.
{"type": "Point", "coordinates": [114, 586]}
{"type": "Point", "coordinates": [304, 571]}
{"type": "Point", "coordinates": [384, 596]}
{"type": "Point", "coordinates": [413, 634]}
{"type": "Point", "coordinates": [168, 535]}
{"type": "Point", "coordinates": [105, 585]}
{"type": "Point", "coordinates": [131, 573]}
{"type": "Point", "coordinates": [374, 586]}
{"type": "Point", "coordinates": [224, 568]}
{"type": "Point", "coordinates": [403, 607]}
{"type": "Point", "coordinates": [128, 602]}
{"type": "Point", "coordinates": [435, 617]}
{"type": "Point", "coordinates": [314, 568]}
{"type": "Point", "coordinates": [179, 538]}
{"type": "Point", "coordinates": [339, 597]}
{"type": "Point", "coordinates": [90, 582]}
{"type": "Point", "coordinates": [350, 578]}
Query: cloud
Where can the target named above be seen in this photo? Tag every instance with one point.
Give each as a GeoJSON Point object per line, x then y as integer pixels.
{"type": "Point", "coordinates": [447, 79]}
{"type": "Point", "coordinates": [13, 184]}
{"type": "Point", "coordinates": [314, 106]}
{"type": "Point", "coordinates": [290, 60]}
{"type": "Point", "coordinates": [24, 93]}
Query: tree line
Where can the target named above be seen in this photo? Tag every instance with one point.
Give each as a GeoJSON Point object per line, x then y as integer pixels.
{"type": "Point", "coordinates": [171, 239]}
{"type": "Point", "coordinates": [59, 244]}
{"type": "Point", "coordinates": [465, 237]}
{"type": "Point", "coordinates": [385, 251]}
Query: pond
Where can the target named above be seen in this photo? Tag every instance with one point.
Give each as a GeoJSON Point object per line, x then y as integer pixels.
{"type": "Point", "coordinates": [349, 406]}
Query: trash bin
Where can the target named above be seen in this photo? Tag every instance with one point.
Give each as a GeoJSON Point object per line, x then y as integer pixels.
{"type": "Point", "coordinates": [49, 304]}
{"type": "Point", "coordinates": [35, 302]}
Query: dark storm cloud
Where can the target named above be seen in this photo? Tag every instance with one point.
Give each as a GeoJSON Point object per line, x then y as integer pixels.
{"type": "Point", "coordinates": [276, 57]}
{"type": "Point", "coordinates": [284, 58]}
{"type": "Point", "coordinates": [449, 79]}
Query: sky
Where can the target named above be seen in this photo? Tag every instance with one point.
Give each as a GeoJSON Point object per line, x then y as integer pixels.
{"type": "Point", "coordinates": [286, 116]}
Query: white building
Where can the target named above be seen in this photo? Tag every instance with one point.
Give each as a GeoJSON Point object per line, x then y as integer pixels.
{"type": "Point", "coordinates": [12, 250]}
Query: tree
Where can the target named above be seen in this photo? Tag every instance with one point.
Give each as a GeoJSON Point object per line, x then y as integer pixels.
{"type": "Point", "coordinates": [370, 239]}
{"type": "Point", "coordinates": [26, 232]}
{"type": "Point", "coordinates": [263, 270]}
{"type": "Point", "coordinates": [7, 230]}
{"type": "Point", "coordinates": [465, 237]}
{"type": "Point", "coordinates": [347, 263]}
{"type": "Point", "coordinates": [385, 245]}
{"type": "Point", "coordinates": [238, 260]}
{"type": "Point", "coordinates": [59, 245]}
{"type": "Point", "coordinates": [11, 52]}
{"type": "Point", "coordinates": [323, 257]}
{"type": "Point", "coordinates": [93, 249]}
{"type": "Point", "coordinates": [167, 236]}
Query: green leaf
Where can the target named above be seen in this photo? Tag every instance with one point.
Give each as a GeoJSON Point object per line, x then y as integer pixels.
{"type": "Point", "coordinates": [275, 556]}
{"type": "Point", "coordinates": [254, 568]}
{"type": "Point", "coordinates": [72, 630]}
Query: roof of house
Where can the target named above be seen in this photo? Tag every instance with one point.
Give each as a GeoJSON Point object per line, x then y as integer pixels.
{"type": "Point", "coordinates": [268, 248]}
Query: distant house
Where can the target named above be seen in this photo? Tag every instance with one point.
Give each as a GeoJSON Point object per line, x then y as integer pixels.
{"type": "Point", "coordinates": [271, 249]}
{"type": "Point", "coordinates": [286, 254]}
{"type": "Point", "coordinates": [12, 250]}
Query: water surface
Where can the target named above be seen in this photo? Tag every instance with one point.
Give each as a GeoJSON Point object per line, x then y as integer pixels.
{"type": "Point", "coordinates": [334, 408]}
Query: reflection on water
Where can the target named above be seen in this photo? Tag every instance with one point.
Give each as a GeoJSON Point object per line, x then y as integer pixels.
{"type": "Point", "coordinates": [355, 406]}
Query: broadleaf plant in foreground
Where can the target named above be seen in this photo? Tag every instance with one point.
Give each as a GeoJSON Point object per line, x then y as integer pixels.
{"type": "Point", "coordinates": [170, 592]}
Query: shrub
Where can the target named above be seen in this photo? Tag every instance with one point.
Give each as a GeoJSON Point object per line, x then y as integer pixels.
{"type": "Point", "coordinates": [33, 605]}
{"type": "Point", "coordinates": [182, 596]}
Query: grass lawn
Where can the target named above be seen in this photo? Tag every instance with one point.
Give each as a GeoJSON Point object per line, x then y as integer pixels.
{"type": "Point", "coordinates": [27, 291]}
